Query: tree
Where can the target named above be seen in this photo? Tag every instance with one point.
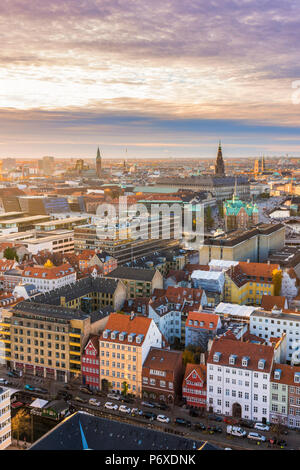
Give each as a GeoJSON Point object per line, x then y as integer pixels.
{"type": "Point", "coordinates": [208, 220]}
{"type": "Point", "coordinates": [124, 388]}
{"type": "Point", "coordinates": [10, 253]}
{"type": "Point", "coordinates": [221, 210]}
{"type": "Point", "coordinates": [277, 281]}
{"type": "Point", "coordinates": [188, 357]}
{"type": "Point", "coordinates": [20, 424]}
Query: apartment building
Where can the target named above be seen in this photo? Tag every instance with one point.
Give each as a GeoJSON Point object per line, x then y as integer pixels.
{"type": "Point", "coordinates": [47, 340]}
{"type": "Point", "coordinates": [49, 277]}
{"type": "Point", "coordinates": [274, 324]}
{"type": "Point", "coordinates": [170, 310]}
{"type": "Point", "coordinates": [138, 281]}
{"type": "Point", "coordinates": [200, 327]}
{"type": "Point", "coordinates": [247, 283]}
{"type": "Point", "coordinates": [162, 375]}
{"type": "Point", "coordinates": [5, 419]}
{"type": "Point", "coordinates": [194, 385]}
{"type": "Point", "coordinates": [124, 346]}
{"type": "Point", "coordinates": [238, 379]}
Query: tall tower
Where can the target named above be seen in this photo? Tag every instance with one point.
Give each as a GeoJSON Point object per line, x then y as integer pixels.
{"type": "Point", "coordinates": [98, 164]}
{"type": "Point", "coordinates": [256, 167]}
{"type": "Point", "coordinates": [219, 165]}
{"type": "Point", "coordinates": [263, 164]}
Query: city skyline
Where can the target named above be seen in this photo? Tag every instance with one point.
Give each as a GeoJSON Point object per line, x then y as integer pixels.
{"type": "Point", "coordinates": [162, 80]}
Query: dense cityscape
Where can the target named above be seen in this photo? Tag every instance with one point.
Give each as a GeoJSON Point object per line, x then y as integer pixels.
{"type": "Point", "coordinates": [149, 230]}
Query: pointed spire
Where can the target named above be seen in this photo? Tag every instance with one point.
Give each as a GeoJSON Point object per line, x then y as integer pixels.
{"type": "Point", "coordinates": [98, 153]}
{"type": "Point", "coordinates": [219, 166]}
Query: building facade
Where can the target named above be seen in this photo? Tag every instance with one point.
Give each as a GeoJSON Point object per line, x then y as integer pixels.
{"type": "Point", "coordinates": [194, 386]}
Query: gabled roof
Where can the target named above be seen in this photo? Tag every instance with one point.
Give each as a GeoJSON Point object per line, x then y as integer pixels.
{"type": "Point", "coordinates": [202, 320]}
{"type": "Point", "coordinates": [124, 323]}
{"type": "Point", "coordinates": [200, 370]}
{"type": "Point", "coordinates": [268, 302]}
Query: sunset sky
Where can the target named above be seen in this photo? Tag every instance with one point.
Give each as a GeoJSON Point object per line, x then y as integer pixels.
{"type": "Point", "coordinates": [162, 78]}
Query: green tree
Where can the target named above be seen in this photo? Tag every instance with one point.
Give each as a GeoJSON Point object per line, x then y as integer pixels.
{"type": "Point", "coordinates": [10, 253]}
{"type": "Point", "coordinates": [20, 424]}
{"type": "Point", "coordinates": [208, 219]}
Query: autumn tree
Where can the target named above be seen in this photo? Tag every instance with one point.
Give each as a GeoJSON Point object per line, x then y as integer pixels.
{"type": "Point", "coordinates": [10, 253]}
{"type": "Point", "coordinates": [188, 357]}
{"type": "Point", "coordinates": [20, 424]}
{"type": "Point", "coordinates": [277, 281]}
{"type": "Point", "coordinates": [124, 388]}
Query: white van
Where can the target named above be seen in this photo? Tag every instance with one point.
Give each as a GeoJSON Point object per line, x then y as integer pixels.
{"type": "Point", "coordinates": [3, 381]}
{"type": "Point", "coordinates": [114, 396]}
{"type": "Point", "coordinates": [236, 431]}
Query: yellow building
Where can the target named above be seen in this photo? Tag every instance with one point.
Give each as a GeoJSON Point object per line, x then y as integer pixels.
{"type": "Point", "coordinates": [246, 283]}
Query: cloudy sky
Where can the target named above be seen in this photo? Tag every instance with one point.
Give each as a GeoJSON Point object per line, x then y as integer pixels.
{"type": "Point", "coordinates": [158, 77]}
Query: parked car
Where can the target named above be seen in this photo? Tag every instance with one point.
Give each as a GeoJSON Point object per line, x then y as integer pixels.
{"type": "Point", "coordinates": [199, 427]}
{"type": "Point", "coordinates": [81, 400]}
{"type": "Point", "coordinates": [127, 400]}
{"type": "Point", "coordinates": [236, 431]}
{"type": "Point", "coordinates": [261, 427]}
{"type": "Point", "coordinates": [217, 429]}
{"type": "Point", "coordinates": [114, 396]}
{"type": "Point", "coordinates": [136, 411]}
{"type": "Point", "coordinates": [85, 390]}
{"type": "Point", "coordinates": [3, 381]}
{"type": "Point", "coordinates": [182, 422]}
{"type": "Point", "coordinates": [110, 406]}
{"type": "Point", "coordinates": [163, 406]}
{"type": "Point", "coordinates": [148, 404]}
{"type": "Point", "coordinates": [246, 423]}
{"type": "Point", "coordinates": [149, 415]}
{"type": "Point", "coordinates": [94, 402]}
{"type": "Point", "coordinates": [29, 387]}
{"type": "Point", "coordinates": [124, 409]}
{"type": "Point", "coordinates": [40, 390]}
{"type": "Point", "coordinates": [256, 436]}
{"type": "Point", "coordinates": [12, 373]}
{"type": "Point", "coordinates": [163, 419]}
{"type": "Point", "coordinates": [215, 418]}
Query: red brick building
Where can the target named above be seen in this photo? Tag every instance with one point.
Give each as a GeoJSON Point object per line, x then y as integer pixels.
{"type": "Point", "coordinates": [194, 385]}
{"type": "Point", "coordinates": [162, 375]}
{"type": "Point", "coordinates": [90, 367]}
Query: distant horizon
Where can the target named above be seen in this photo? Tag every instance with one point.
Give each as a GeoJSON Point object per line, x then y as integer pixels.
{"type": "Point", "coordinates": [159, 78]}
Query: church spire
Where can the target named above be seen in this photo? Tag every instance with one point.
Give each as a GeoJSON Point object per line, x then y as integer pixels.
{"type": "Point", "coordinates": [219, 166]}
{"type": "Point", "coordinates": [98, 163]}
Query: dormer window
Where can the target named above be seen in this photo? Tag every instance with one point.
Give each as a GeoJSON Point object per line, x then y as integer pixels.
{"type": "Point", "coordinates": [211, 325]}
{"type": "Point", "coordinates": [232, 359]}
{"type": "Point", "coordinates": [297, 377]}
{"type": "Point", "coordinates": [217, 356]}
{"type": "Point", "coordinates": [277, 374]}
{"type": "Point", "coordinates": [261, 364]}
{"type": "Point", "coordinates": [245, 361]}
{"type": "Point", "coordinates": [114, 334]}
{"type": "Point", "coordinates": [106, 333]}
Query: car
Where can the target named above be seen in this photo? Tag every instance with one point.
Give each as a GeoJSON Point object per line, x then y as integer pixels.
{"type": "Point", "coordinates": [40, 390]}
{"type": "Point", "coordinates": [94, 402]}
{"type": "Point", "coordinates": [163, 419]}
{"type": "Point", "coordinates": [136, 411]}
{"type": "Point", "coordinates": [256, 437]}
{"type": "Point", "coordinates": [199, 427]}
{"type": "Point", "coordinates": [246, 423]}
{"type": "Point", "coordinates": [149, 415]}
{"type": "Point", "coordinates": [110, 406]}
{"type": "Point", "coordinates": [3, 381]}
{"type": "Point", "coordinates": [236, 431]}
{"type": "Point", "coordinates": [127, 400]}
{"type": "Point", "coordinates": [29, 387]}
{"type": "Point", "coordinates": [217, 429]}
{"type": "Point", "coordinates": [182, 422]}
{"type": "Point", "coordinates": [12, 373]}
{"type": "Point", "coordinates": [148, 404]}
{"type": "Point", "coordinates": [163, 406]}
{"type": "Point", "coordinates": [17, 404]}
{"type": "Point", "coordinates": [81, 400]}
{"type": "Point", "coordinates": [124, 409]}
{"type": "Point", "coordinates": [261, 427]}
{"type": "Point", "coordinates": [85, 390]}
{"type": "Point", "coordinates": [114, 396]}
{"type": "Point", "coordinates": [215, 418]}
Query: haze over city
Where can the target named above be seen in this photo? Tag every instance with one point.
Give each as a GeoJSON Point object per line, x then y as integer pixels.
{"type": "Point", "coordinates": [161, 79]}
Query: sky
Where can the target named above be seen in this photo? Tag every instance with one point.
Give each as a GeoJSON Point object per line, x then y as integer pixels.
{"type": "Point", "coordinates": [160, 78]}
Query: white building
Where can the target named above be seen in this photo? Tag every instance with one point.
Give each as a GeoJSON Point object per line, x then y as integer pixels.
{"type": "Point", "coordinates": [46, 278]}
{"type": "Point", "coordinates": [5, 420]}
{"type": "Point", "coordinates": [238, 379]}
{"type": "Point", "coordinates": [274, 324]}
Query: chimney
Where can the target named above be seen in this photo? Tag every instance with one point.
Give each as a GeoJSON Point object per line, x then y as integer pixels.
{"type": "Point", "coordinates": [202, 358]}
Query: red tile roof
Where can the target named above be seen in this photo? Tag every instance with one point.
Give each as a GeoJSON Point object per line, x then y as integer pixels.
{"type": "Point", "coordinates": [210, 320]}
